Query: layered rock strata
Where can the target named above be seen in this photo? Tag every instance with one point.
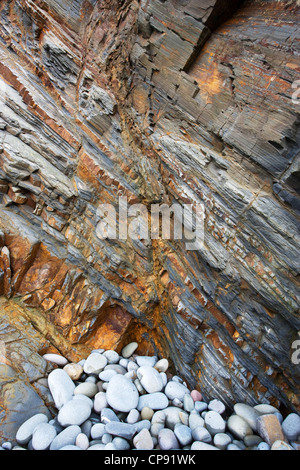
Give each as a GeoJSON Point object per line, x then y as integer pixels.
{"type": "Point", "coordinates": [159, 102]}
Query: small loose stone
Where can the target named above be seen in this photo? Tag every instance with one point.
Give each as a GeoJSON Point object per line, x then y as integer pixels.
{"type": "Point", "coordinates": [129, 349]}
{"type": "Point", "coordinates": [56, 359]}
{"type": "Point", "coordinates": [43, 436]}
{"type": "Point", "coordinates": [239, 427]}
{"type": "Point", "coordinates": [75, 412]}
{"type": "Point", "coordinates": [95, 363]}
{"type": "Point", "coordinates": [167, 440]}
{"type": "Point", "coordinates": [24, 433]}
{"type": "Point", "coordinates": [82, 441]}
{"type": "Point", "coordinates": [74, 371]}
{"type": "Point", "coordinates": [143, 440]}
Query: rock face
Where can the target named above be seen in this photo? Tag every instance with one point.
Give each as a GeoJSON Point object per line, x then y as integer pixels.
{"type": "Point", "coordinates": [158, 102]}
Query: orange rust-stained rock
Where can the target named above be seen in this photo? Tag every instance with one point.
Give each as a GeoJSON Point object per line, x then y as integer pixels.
{"type": "Point", "coordinates": [157, 102]}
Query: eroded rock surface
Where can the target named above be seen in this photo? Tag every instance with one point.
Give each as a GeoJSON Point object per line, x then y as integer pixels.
{"type": "Point", "coordinates": [160, 102]}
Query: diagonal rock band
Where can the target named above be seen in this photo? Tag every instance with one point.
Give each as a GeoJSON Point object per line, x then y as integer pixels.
{"type": "Point", "coordinates": [163, 103]}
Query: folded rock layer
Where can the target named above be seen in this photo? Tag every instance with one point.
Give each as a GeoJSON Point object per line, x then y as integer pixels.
{"type": "Point", "coordinates": [160, 102]}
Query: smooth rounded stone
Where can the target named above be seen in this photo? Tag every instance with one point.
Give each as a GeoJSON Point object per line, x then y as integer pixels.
{"type": "Point", "coordinates": [70, 448]}
{"type": "Point", "coordinates": [197, 445]}
{"type": "Point", "coordinates": [147, 413]}
{"type": "Point", "coordinates": [132, 366]}
{"type": "Point", "coordinates": [188, 403]}
{"type": "Point", "coordinates": [248, 413]}
{"type": "Point", "coordinates": [120, 443]}
{"type": "Point", "coordinates": [107, 374]}
{"type": "Point", "coordinates": [98, 431]}
{"type": "Point", "coordinates": [263, 446]}
{"type": "Point", "coordinates": [239, 427]}
{"type": "Point", "coordinates": [91, 379]}
{"type": "Point", "coordinates": [111, 356]}
{"type": "Point", "coordinates": [61, 387]}
{"type": "Point", "coordinates": [74, 371]}
{"type": "Point", "coordinates": [291, 426]}
{"type": "Point", "coordinates": [108, 415]}
{"type": "Point", "coordinates": [252, 440]}
{"type": "Point", "coordinates": [216, 405]}
{"type": "Point", "coordinates": [95, 363]}
{"type": "Point", "coordinates": [195, 420]}
{"type": "Point", "coordinates": [201, 434]}
{"type": "Point", "coordinates": [281, 445]}
{"type": "Point", "coordinates": [43, 436]}
{"type": "Point", "coordinates": [124, 362]}
{"type": "Point", "coordinates": [196, 396]}
{"type": "Point", "coordinates": [66, 437]}
{"type": "Point", "coordinates": [143, 440]}
{"type": "Point", "coordinates": [24, 433]}
{"type": "Point", "coordinates": [86, 388]}
{"type": "Point", "coordinates": [162, 365]}
{"type": "Point", "coordinates": [97, 447]}
{"type": "Point", "coordinates": [143, 424]}
{"type": "Point", "coordinates": [82, 441]}
{"type": "Point", "coordinates": [150, 379]}
{"type": "Point", "coordinates": [84, 398]}
{"type": "Point", "coordinates": [157, 423]}
{"type": "Point", "coordinates": [200, 406]}
{"type": "Point", "coordinates": [146, 360]}
{"type": "Point", "coordinates": [222, 440]}
{"type": "Point", "coordinates": [75, 412]}
{"type": "Point", "coordinates": [164, 378]}
{"type": "Point", "coordinates": [128, 350]}
{"type": "Point", "coordinates": [117, 368]}
{"type": "Point", "coordinates": [167, 440]}
{"type": "Point", "coordinates": [119, 429]}
{"type": "Point", "coordinates": [174, 415]}
{"type": "Point", "coordinates": [214, 423]}
{"type": "Point", "coordinates": [265, 409]}
{"type": "Point", "coordinates": [6, 445]}
{"type": "Point", "coordinates": [110, 446]}
{"type": "Point", "coordinates": [133, 416]}
{"type": "Point", "coordinates": [122, 394]}
{"type": "Point", "coordinates": [279, 416]}
{"type": "Point", "coordinates": [176, 390]}
{"type": "Point", "coordinates": [239, 443]}
{"type": "Point", "coordinates": [56, 359]}
{"type": "Point", "coordinates": [100, 402]}
{"type": "Point", "coordinates": [183, 434]}
{"type": "Point", "coordinates": [106, 438]}
{"type": "Point", "coordinates": [155, 401]}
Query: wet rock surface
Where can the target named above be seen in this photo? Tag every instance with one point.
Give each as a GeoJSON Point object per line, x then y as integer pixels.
{"type": "Point", "coordinates": [159, 102]}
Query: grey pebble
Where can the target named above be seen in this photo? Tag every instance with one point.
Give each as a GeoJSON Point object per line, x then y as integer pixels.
{"type": "Point", "coordinates": [66, 437]}
{"type": "Point", "coordinates": [167, 440]}
{"type": "Point", "coordinates": [291, 427]}
{"type": "Point", "coordinates": [61, 387]}
{"type": "Point", "coordinates": [43, 436]}
{"type": "Point", "coordinates": [124, 430]}
{"type": "Point", "coordinates": [214, 422]}
{"type": "Point", "coordinates": [122, 394]}
{"type": "Point", "coordinates": [75, 412]}
{"type": "Point", "coordinates": [201, 434]}
{"type": "Point", "coordinates": [155, 401]}
{"type": "Point", "coordinates": [176, 390]}
{"type": "Point", "coordinates": [183, 434]}
{"type": "Point", "coordinates": [24, 433]}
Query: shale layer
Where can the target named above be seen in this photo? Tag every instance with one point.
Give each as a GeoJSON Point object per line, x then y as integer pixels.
{"type": "Point", "coordinates": [175, 101]}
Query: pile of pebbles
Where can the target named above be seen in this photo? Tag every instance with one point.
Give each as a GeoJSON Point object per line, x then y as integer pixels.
{"type": "Point", "coordinates": [125, 402]}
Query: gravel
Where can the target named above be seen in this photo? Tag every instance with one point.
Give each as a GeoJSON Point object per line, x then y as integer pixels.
{"type": "Point", "coordinates": [112, 401]}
